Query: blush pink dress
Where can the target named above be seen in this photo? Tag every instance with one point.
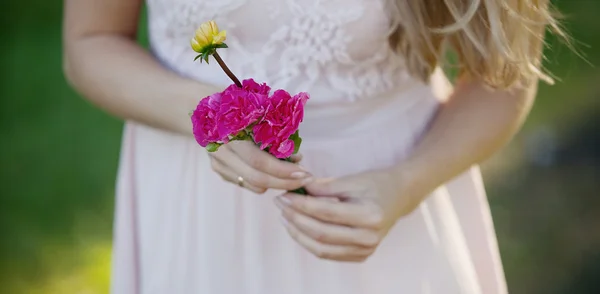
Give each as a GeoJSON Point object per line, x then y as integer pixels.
{"type": "Point", "coordinates": [180, 229]}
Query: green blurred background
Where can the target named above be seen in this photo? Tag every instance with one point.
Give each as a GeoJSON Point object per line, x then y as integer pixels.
{"type": "Point", "coordinates": [59, 158]}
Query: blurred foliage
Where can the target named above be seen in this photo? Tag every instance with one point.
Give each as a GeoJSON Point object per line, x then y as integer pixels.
{"type": "Point", "coordinates": [59, 157]}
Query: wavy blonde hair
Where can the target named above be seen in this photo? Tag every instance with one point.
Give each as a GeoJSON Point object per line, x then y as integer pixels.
{"type": "Point", "coordinates": [500, 42]}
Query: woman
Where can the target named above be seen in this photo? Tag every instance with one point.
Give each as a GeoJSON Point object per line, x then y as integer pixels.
{"type": "Point", "coordinates": [390, 151]}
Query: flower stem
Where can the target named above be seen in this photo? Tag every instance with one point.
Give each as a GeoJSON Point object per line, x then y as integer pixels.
{"type": "Point", "coordinates": [226, 69]}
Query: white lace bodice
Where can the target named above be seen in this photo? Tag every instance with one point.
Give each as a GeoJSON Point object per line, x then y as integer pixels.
{"type": "Point", "coordinates": [337, 50]}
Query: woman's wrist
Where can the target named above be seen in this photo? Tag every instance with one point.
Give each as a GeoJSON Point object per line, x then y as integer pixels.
{"type": "Point", "coordinates": [412, 184]}
{"type": "Point", "coordinates": [190, 94]}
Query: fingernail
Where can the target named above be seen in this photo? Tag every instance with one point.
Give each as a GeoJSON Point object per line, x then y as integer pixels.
{"type": "Point", "coordinates": [283, 220]}
{"type": "Point", "coordinates": [285, 200]}
{"type": "Point", "coordinates": [308, 180]}
{"type": "Point", "coordinates": [278, 203]}
{"type": "Point", "coordinates": [299, 175]}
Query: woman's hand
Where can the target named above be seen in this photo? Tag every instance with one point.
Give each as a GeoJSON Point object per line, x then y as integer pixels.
{"type": "Point", "coordinates": [258, 170]}
{"type": "Point", "coordinates": [346, 218]}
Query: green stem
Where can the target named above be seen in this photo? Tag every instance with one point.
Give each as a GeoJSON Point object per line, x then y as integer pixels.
{"type": "Point", "coordinates": [226, 69]}
{"type": "Point", "coordinates": [300, 191]}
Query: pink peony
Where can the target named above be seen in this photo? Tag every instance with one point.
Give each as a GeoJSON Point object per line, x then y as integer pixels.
{"type": "Point", "coordinates": [240, 108]}
{"type": "Point", "coordinates": [251, 86]}
{"type": "Point", "coordinates": [205, 121]}
{"type": "Point", "coordinates": [254, 87]}
{"type": "Point", "coordinates": [282, 119]}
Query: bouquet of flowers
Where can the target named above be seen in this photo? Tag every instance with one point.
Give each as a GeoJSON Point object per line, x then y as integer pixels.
{"type": "Point", "coordinates": [245, 110]}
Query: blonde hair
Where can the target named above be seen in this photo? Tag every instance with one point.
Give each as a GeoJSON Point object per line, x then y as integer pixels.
{"type": "Point", "coordinates": [500, 42]}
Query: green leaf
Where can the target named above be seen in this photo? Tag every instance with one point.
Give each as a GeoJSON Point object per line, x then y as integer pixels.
{"type": "Point", "coordinates": [222, 45]}
{"type": "Point", "coordinates": [300, 191]}
{"type": "Point", "coordinates": [199, 56]}
{"type": "Point", "coordinates": [212, 147]}
{"type": "Point", "coordinates": [242, 135]}
{"type": "Point", "coordinates": [297, 141]}
{"type": "Point", "coordinates": [206, 56]}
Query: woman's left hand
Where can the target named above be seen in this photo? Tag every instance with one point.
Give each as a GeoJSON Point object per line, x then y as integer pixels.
{"type": "Point", "coordinates": [345, 219]}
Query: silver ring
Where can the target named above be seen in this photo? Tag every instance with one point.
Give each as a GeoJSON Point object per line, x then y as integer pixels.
{"type": "Point", "coordinates": [240, 181]}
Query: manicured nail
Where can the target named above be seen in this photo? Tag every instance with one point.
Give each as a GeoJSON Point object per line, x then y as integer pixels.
{"type": "Point", "coordinates": [283, 220]}
{"type": "Point", "coordinates": [285, 200]}
{"type": "Point", "coordinates": [299, 175]}
{"type": "Point", "coordinates": [278, 203]}
{"type": "Point", "coordinates": [308, 180]}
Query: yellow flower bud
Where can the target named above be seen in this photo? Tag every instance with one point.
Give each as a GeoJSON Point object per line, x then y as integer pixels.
{"type": "Point", "coordinates": [206, 41]}
{"type": "Point", "coordinates": [208, 37]}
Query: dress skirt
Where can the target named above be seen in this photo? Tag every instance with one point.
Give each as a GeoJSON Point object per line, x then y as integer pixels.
{"type": "Point", "coordinates": [181, 229]}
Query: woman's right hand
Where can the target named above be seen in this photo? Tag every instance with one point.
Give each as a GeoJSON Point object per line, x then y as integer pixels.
{"type": "Point", "coordinates": [243, 163]}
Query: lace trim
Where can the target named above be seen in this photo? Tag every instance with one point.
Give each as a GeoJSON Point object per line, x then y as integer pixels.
{"type": "Point", "coordinates": [308, 49]}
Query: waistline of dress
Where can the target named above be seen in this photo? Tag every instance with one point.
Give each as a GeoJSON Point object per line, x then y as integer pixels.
{"type": "Point", "coordinates": [350, 118]}
{"type": "Point", "coordinates": [382, 113]}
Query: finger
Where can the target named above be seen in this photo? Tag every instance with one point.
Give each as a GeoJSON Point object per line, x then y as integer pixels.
{"type": "Point", "coordinates": [332, 186]}
{"type": "Point", "coordinates": [255, 177]}
{"type": "Point", "coordinates": [328, 199]}
{"type": "Point", "coordinates": [267, 163]}
{"type": "Point", "coordinates": [327, 251]}
{"type": "Point", "coordinates": [355, 214]}
{"type": "Point", "coordinates": [296, 158]}
{"type": "Point", "coordinates": [329, 233]}
{"type": "Point", "coordinates": [228, 175]}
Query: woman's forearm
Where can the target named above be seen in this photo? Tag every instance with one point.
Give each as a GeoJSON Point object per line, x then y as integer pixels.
{"type": "Point", "coordinates": [469, 128]}
{"type": "Point", "coordinates": [120, 77]}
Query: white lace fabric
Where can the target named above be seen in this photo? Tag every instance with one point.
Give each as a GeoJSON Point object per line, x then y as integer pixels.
{"type": "Point", "coordinates": [337, 50]}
